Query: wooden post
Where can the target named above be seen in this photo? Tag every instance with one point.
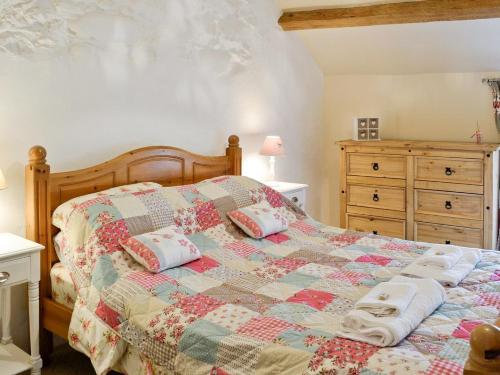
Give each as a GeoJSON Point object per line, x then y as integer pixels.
{"type": "Point", "coordinates": [491, 199]}
{"type": "Point", "coordinates": [399, 12]}
{"type": "Point", "coordinates": [410, 197]}
{"type": "Point", "coordinates": [233, 151]}
{"type": "Point", "coordinates": [484, 356]}
{"type": "Point", "coordinates": [38, 227]}
{"type": "Point", "coordinates": [343, 187]}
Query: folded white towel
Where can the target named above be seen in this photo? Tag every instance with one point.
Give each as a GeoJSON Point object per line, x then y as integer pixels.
{"type": "Point", "coordinates": [452, 276]}
{"type": "Point", "coordinates": [388, 331]}
{"type": "Point", "coordinates": [441, 256]}
{"type": "Point", "coordinates": [387, 299]}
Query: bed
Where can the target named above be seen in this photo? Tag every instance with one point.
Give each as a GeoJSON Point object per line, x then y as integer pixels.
{"type": "Point", "coordinates": [46, 190]}
{"type": "Point", "coordinates": [247, 306]}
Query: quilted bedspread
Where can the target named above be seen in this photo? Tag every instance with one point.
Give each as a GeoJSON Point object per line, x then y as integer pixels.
{"type": "Point", "coordinates": [270, 306]}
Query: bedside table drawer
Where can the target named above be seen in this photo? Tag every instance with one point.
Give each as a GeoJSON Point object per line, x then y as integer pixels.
{"type": "Point", "coordinates": [14, 271]}
{"type": "Point", "coordinates": [297, 197]}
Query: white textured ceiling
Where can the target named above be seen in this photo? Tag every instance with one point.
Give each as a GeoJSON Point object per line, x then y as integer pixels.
{"type": "Point", "coordinates": [438, 47]}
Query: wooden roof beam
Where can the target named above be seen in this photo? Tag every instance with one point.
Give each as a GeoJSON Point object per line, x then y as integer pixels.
{"type": "Point", "coordinates": [394, 13]}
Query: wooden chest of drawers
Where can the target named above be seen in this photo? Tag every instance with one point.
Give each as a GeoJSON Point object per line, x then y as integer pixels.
{"type": "Point", "coordinates": [441, 192]}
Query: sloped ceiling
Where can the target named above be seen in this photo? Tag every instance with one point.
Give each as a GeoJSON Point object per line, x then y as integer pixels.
{"type": "Point", "coordinates": [438, 47]}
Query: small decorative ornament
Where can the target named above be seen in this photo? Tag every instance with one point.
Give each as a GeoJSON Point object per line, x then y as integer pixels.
{"type": "Point", "coordinates": [366, 129]}
{"type": "Point", "coordinates": [477, 134]}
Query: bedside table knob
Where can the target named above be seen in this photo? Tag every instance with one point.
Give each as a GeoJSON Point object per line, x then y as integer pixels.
{"type": "Point", "coordinates": [295, 199]}
{"type": "Point", "coordinates": [4, 276]}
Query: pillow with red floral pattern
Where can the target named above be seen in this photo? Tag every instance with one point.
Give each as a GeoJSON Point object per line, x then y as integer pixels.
{"type": "Point", "coordinates": [162, 249]}
{"type": "Point", "coordinates": [259, 220]}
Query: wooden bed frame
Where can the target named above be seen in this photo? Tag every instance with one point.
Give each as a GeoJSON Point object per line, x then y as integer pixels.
{"type": "Point", "coordinates": [45, 191]}
{"type": "Point", "coordinates": [170, 166]}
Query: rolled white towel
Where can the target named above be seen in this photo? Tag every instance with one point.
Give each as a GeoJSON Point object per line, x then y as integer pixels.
{"type": "Point", "coordinates": [387, 299]}
{"type": "Point", "coordinates": [441, 257]}
{"type": "Point", "coordinates": [452, 276]}
{"type": "Point", "coordinates": [389, 331]}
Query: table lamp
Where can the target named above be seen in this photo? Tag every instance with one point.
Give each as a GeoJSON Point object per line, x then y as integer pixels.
{"type": "Point", "coordinates": [3, 183]}
{"type": "Point", "coordinates": [272, 147]}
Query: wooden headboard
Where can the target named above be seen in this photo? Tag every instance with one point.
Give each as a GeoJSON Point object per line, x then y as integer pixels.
{"type": "Point", "coordinates": [169, 166]}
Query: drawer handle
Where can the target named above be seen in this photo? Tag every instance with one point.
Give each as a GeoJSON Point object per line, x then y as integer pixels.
{"type": "Point", "coordinates": [375, 166]}
{"type": "Point", "coordinates": [375, 232]}
{"type": "Point", "coordinates": [448, 205]}
{"type": "Point", "coordinates": [447, 242]}
{"type": "Point", "coordinates": [295, 199]}
{"type": "Point", "coordinates": [375, 197]}
{"type": "Point", "coordinates": [4, 276]}
{"type": "Point", "coordinates": [448, 171]}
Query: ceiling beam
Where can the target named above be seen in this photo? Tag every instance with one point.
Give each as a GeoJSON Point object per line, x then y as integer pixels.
{"type": "Point", "coordinates": [394, 13]}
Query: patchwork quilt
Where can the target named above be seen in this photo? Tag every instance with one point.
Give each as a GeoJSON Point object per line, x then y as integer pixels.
{"type": "Point", "coordinates": [269, 306]}
{"type": "Point", "coordinates": [63, 288]}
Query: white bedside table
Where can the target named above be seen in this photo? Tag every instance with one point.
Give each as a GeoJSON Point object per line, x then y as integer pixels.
{"type": "Point", "coordinates": [19, 263]}
{"type": "Point", "coordinates": [295, 192]}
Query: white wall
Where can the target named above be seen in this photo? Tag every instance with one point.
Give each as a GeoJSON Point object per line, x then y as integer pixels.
{"type": "Point", "coordinates": [100, 81]}
{"type": "Point", "coordinates": [420, 106]}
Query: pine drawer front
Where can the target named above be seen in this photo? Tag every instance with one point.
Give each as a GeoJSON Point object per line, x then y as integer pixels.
{"type": "Point", "coordinates": [15, 271]}
{"type": "Point", "coordinates": [460, 171]}
{"type": "Point", "coordinates": [380, 226]}
{"type": "Point", "coordinates": [373, 165]}
{"type": "Point", "coordinates": [377, 197]}
{"type": "Point", "coordinates": [446, 234]}
{"type": "Point", "coordinates": [467, 206]}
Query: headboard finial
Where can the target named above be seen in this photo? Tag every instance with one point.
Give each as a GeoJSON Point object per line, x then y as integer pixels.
{"type": "Point", "coordinates": [37, 155]}
{"type": "Point", "coordinates": [233, 151]}
{"type": "Point", "coordinates": [234, 141]}
{"type": "Point", "coordinates": [485, 346]}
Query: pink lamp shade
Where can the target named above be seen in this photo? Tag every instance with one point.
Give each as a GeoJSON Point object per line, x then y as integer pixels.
{"type": "Point", "coordinates": [273, 146]}
{"type": "Point", "coordinates": [3, 183]}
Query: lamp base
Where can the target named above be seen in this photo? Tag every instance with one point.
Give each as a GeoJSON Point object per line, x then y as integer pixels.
{"type": "Point", "coordinates": [272, 163]}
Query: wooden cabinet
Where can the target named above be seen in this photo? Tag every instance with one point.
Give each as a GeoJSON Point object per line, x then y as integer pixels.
{"type": "Point", "coordinates": [440, 192]}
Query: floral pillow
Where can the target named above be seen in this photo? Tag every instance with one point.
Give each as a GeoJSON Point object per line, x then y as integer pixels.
{"type": "Point", "coordinates": [64, 211]}
{"type": "Point", "coordinates": [259, 220]}
{"type": "Point", "coordinates": [165, 248]}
